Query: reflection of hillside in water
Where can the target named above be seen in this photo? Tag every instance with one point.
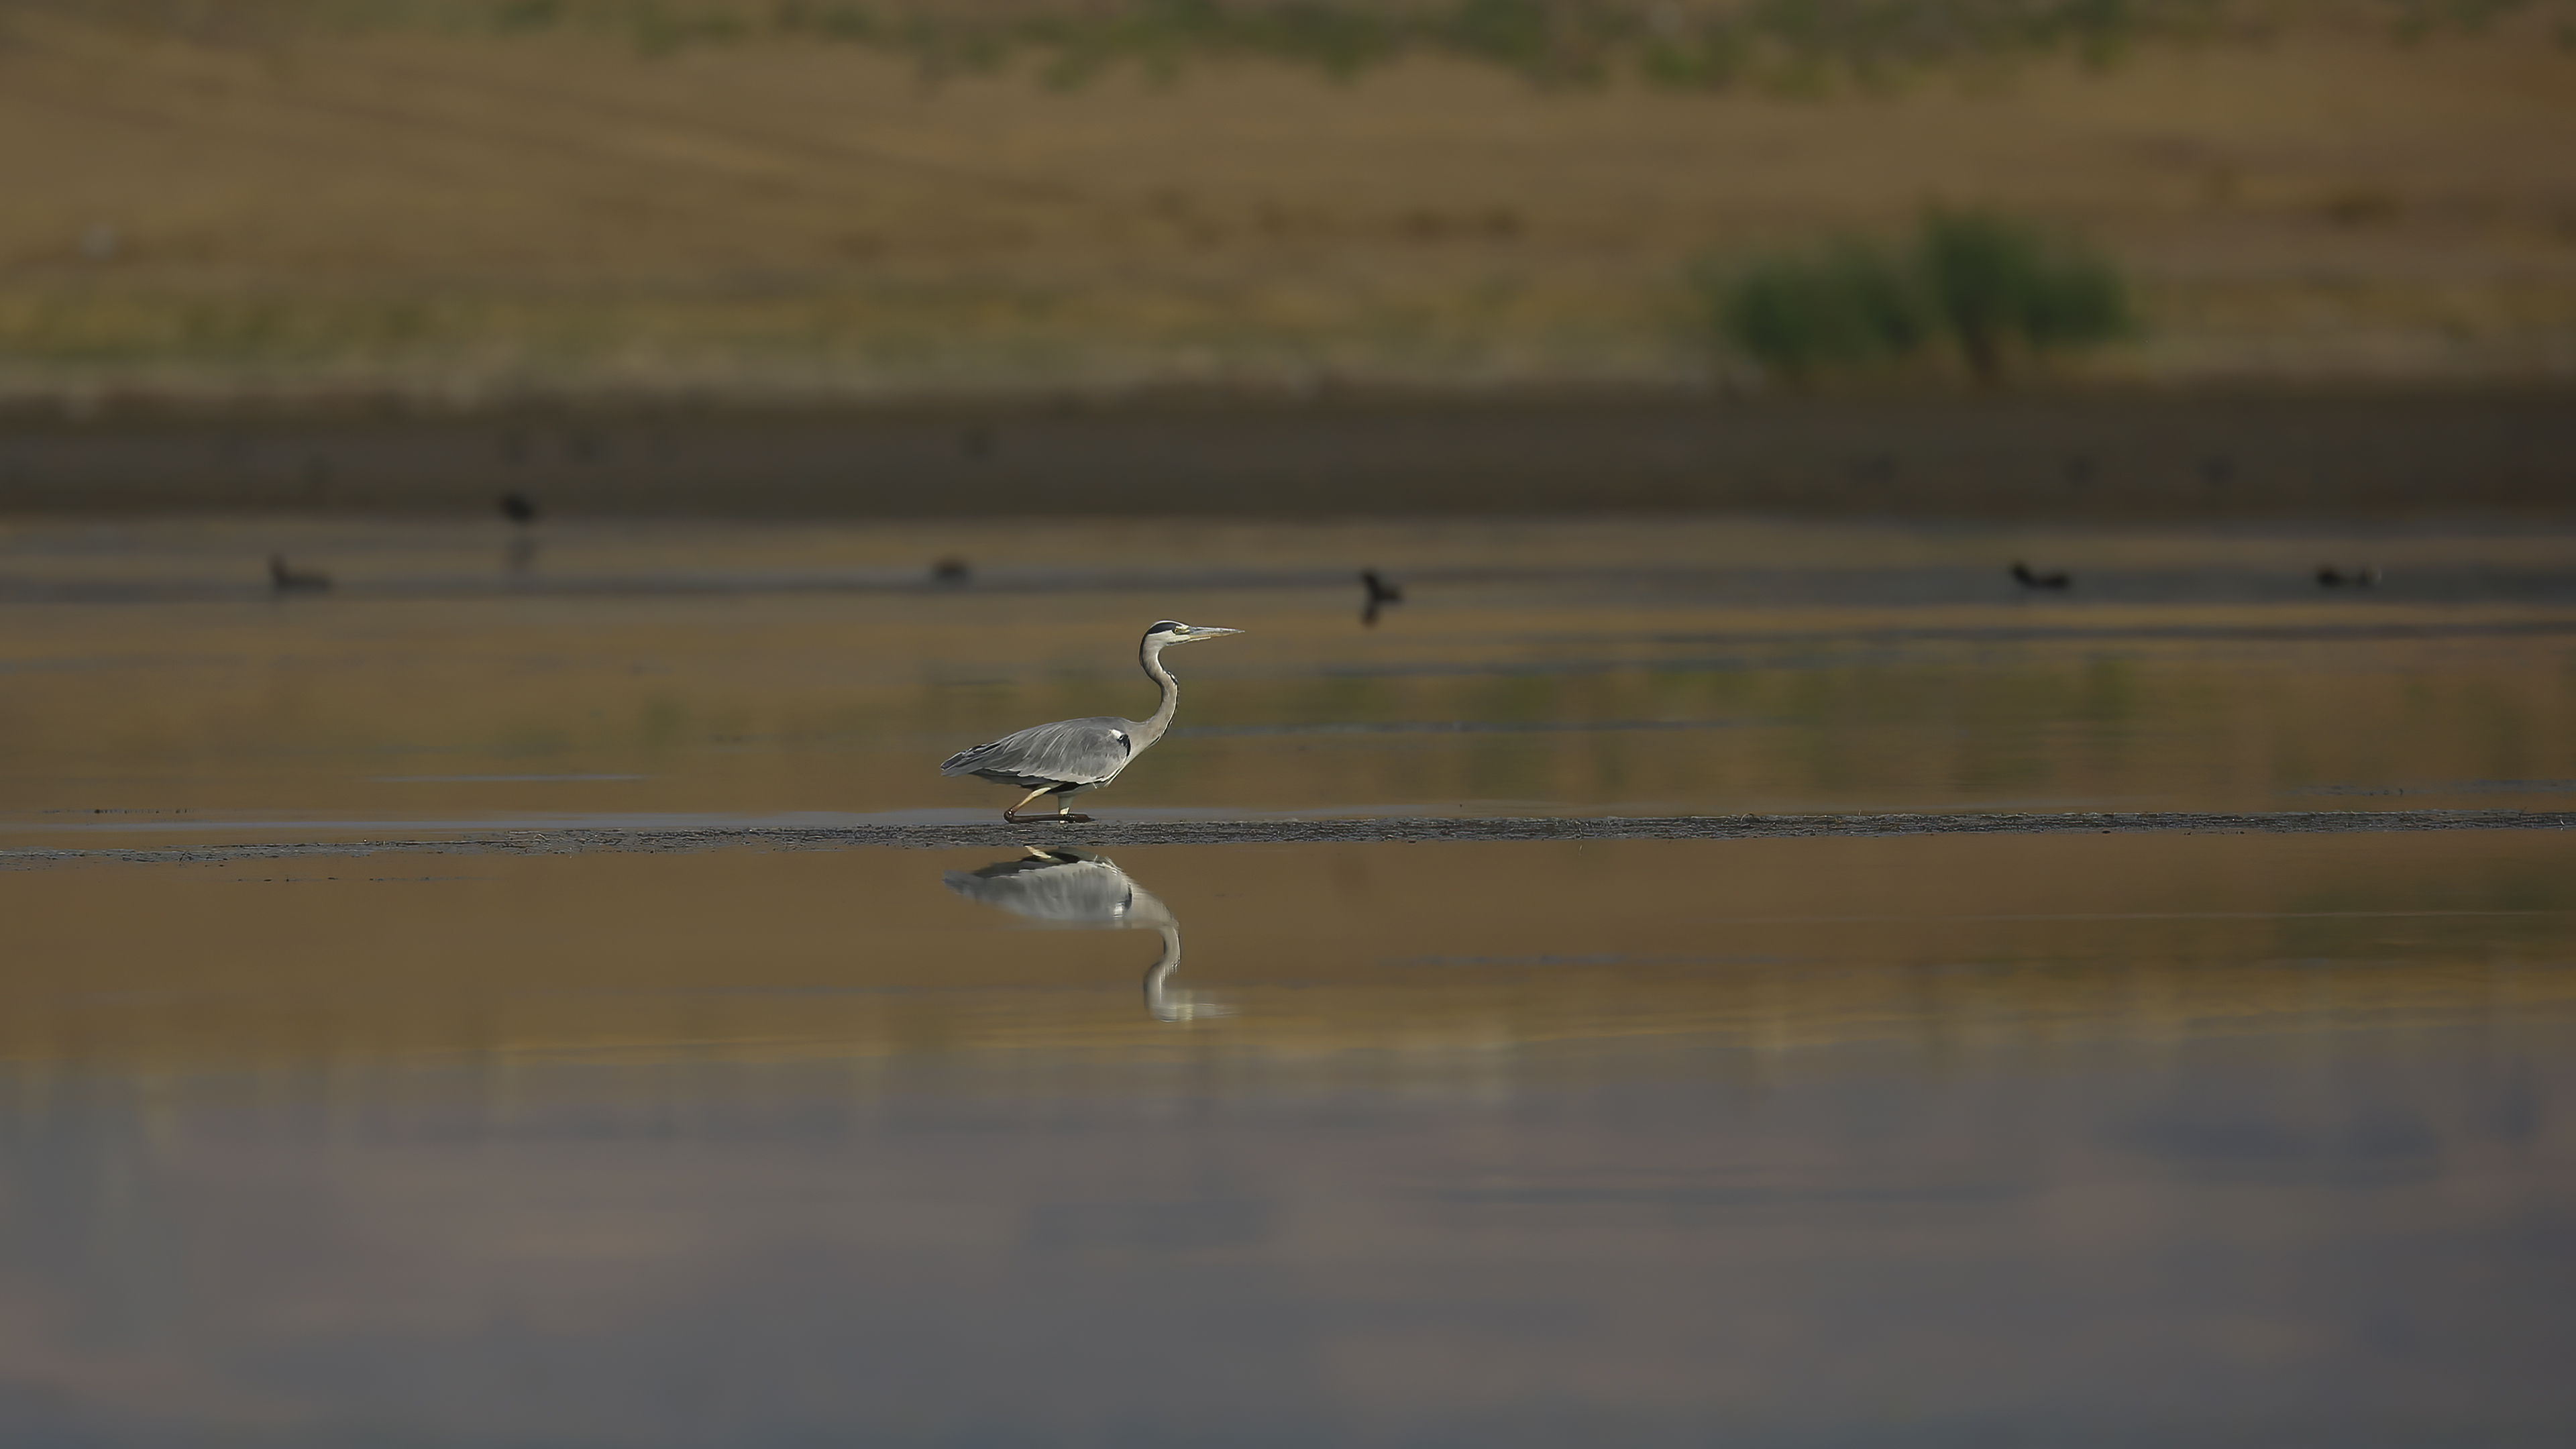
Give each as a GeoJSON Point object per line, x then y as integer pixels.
{"type": "Point", "coordinates": [1930, 1118]}
{"type": "Point", "coordinates": [1074, 888]}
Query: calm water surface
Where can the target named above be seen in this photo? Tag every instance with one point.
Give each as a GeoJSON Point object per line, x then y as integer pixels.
{"type": "Point", "coordinates": [2163, 1140]}
{"type": "Point", "coordinates": [2044, 1140]}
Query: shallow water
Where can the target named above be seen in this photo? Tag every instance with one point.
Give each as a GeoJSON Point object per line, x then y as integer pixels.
{"type": "Point", "coordinates": [663, 674]}
{"type": "Point", "coordinates": [2033, 1140]}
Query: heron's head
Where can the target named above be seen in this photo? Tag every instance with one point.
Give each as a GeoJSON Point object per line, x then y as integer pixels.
{"type": "Point", "coordinates": [1172, 631]}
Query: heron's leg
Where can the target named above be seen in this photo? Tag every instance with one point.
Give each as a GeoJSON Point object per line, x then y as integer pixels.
{"type": "Point", "coordinates": [1013, 814]}
{"type": "Point", "coordinates": [1063, 803]}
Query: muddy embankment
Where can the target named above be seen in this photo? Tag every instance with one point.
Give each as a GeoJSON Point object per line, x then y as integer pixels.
{"type": "Point", "coordinates": [2106, 456]}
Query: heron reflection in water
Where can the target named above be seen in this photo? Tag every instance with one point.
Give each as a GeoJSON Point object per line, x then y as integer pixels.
{"type": "Point", "coordinates": [1074, 888]}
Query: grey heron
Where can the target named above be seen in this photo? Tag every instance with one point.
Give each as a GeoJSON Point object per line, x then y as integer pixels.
{"type": "Point", "coordinates": [2023, 576]}
{"type": "Point", "coordinates": [1070, 756]}
{"type": "Point", "coordinates": [1076, 888]}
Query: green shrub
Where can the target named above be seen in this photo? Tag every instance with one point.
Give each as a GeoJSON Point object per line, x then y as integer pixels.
{"type": "Point", "coordinates": [1983, 284]}
{"type": "Point", "coordinates": [1998, 285]}
{"type": "Point", "coordinates": [1849, 305]}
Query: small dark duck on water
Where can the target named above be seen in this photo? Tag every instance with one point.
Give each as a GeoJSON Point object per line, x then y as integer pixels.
{"type": "Point", "coordinates": [286, 579]}
{"type": "Point", "coordinates": [1380, 594]}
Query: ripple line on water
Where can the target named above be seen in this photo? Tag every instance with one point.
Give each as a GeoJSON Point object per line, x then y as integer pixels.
{"type": "Point", "coordinates": [1402, 830]}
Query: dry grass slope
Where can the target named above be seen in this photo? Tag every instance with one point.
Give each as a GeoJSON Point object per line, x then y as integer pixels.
{"type": "Point", "coordinates": [268, 200]}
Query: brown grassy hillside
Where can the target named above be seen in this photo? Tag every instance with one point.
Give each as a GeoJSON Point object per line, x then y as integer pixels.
{"type": "Point", "coordinates": [487, 210]}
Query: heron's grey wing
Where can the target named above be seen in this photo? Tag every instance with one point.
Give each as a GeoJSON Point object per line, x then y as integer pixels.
{"type": "Point", "coordinates": [1074, 751]}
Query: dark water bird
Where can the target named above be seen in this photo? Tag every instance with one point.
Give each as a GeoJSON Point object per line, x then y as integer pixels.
{"type": "Point", "coordinates": [952, 570]}
{"type": "Point", "coordinates": [1380, 594]}
{"type": "Point", "coordinates": [286, 580]}
{"type": "Point", "coordinates": [1076, 889]}
{"type": "Point", "coordinates": [519, 508]}
{"type": "Point", "coordinates": [2023, 576]}
{"type": "Point", "coordinates": [1070, 756]}
{"type": "Point", "coordinates": [2364, 577]}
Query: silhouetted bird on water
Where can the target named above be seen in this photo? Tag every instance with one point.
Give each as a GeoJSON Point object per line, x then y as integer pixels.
{"type": "Point", "coordinates": [286, 580]}
{"type": "Point", "coordinates": [1380, 594]}
{"type": "Point", "coordinates": [519, 508]}
{"type": "Point", "coordinates": [2330, 577]}
{"type": "Point", "coordinates": [2023, 576]}
{"type": "Point", "coordinates": [952, 570]}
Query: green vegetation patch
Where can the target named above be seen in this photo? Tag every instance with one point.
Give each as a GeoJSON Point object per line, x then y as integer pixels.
{"type": "Point", "coordinates": [1988, 287]}
{"type": "Point", "coordinates": [1687, 44]}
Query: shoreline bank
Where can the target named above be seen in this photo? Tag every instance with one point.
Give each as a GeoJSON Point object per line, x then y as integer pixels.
{"type": "Point", "coordinates": [2067, 455]}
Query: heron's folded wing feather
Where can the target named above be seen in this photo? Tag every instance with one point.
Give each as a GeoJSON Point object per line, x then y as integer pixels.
{"type": "Point", "coordinates": [1076, 751]}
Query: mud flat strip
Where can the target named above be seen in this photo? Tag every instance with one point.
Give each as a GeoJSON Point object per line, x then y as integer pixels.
{"type": "Point", "coordinates": [1102, 834]}
{"type": "Point", "coordinates": [2109, 455]}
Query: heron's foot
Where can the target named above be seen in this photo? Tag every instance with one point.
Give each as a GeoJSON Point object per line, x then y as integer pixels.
{"type": "Point", "coordinates": [1075, 819]}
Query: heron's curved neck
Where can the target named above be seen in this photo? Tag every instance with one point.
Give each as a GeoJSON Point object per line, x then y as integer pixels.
{"type": "Point", "coordinates": [1158, 979]}
{"type": "Point", "coordinates": [1161, 720]}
